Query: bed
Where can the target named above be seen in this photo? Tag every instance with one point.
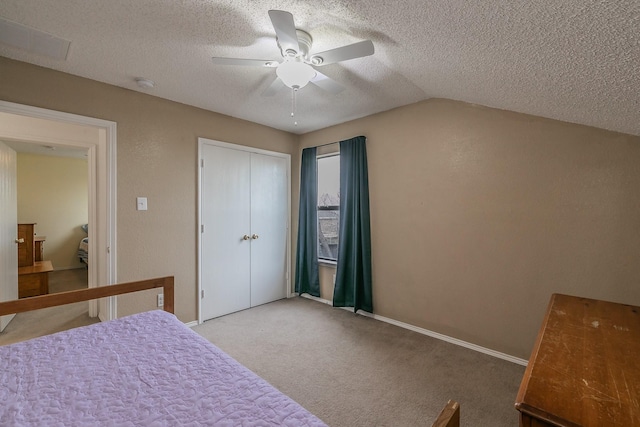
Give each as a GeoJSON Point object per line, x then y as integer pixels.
{"type": "Point", "coordinates": [145, 369]}
{"type": "Point", "coordinates": [83, 246]}
{"type": "Point", "coordinates": [83, 250]}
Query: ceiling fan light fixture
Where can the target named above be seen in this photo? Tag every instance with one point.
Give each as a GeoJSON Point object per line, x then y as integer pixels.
{"type": "Point", "coordinates": [295, 74]}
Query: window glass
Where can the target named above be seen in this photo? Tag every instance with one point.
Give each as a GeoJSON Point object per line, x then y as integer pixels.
{"type": "Point", "coordinates": [328, 206]}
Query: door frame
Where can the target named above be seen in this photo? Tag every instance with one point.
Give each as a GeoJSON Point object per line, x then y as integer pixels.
{"type": "Point", "coordinates": [287, 157]}
{"type": "Point", "coordinates": [101, 159]}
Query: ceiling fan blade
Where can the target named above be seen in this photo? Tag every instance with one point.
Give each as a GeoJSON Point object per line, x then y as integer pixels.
{"type": "Point", "coordinates": [274, 87]}
{"type": "Point", "coordinates": [344, 53]}
{"type": "Point", "coordinates": [326, 83]}
{"type": "Point", "coordinates": [245, 62]}
{"type": "Point", "coordinates": [285, 30]}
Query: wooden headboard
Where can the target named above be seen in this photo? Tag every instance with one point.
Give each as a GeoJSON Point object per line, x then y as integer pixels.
{"type": "Point", "coordinates": [62, 298]}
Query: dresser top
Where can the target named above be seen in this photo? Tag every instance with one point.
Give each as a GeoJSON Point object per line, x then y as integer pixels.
{"type": "Point", "coordinates": [585, 366]}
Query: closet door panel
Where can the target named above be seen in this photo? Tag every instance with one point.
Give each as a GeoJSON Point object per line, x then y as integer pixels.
{"type": "Point", "coordinates": [226, 202]}
{"type": "Point", "coordinates": [269, 206]}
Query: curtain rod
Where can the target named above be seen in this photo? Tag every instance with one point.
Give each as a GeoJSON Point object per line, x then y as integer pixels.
{"type": "Point", "coordinates": [323, 145]}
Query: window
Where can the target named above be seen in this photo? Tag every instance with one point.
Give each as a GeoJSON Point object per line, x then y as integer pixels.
{"type": "Point", "coordinates": [328, 206]}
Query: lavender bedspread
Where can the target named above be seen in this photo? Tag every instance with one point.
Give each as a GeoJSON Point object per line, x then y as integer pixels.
{"type": "Point", "coordinates": [147, 369]}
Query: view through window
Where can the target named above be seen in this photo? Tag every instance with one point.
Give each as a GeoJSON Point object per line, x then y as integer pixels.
{"type": "Point", "coordinates": [328, 206]}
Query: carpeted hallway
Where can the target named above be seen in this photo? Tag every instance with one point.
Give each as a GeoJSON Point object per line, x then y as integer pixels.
{"type": "Point", "coordinates": [350, 370]}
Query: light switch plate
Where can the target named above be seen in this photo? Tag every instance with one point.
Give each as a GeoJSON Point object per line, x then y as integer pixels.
{"type": "Point", "coordinates": [141, 203]}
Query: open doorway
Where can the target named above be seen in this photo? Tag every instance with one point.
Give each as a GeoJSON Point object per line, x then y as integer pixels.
{"type": "Point", "coordinates": [97, 138]}
{"type": "Point", "coordinates": [53, 199]}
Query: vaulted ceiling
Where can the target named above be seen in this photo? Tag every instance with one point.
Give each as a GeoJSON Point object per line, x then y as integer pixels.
{"type": "Point", "coordinates": [571, 60]}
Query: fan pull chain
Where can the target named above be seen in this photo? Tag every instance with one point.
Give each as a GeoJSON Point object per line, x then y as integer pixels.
{"type": "Point", "coordinates": [293, 105]}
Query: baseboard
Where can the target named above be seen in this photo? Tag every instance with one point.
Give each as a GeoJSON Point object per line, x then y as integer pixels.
{"type": "Point", "coordinates": [429, 333]}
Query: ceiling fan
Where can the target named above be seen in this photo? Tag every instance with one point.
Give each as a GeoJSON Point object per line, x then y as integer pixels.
{"type": "Point", "coordinates": [298, 65]}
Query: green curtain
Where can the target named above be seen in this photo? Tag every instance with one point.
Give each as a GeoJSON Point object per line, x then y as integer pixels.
{"type": "Point", "coordinates": [353, 275]}
{"type": "Point", "coordinates": [307, 277]}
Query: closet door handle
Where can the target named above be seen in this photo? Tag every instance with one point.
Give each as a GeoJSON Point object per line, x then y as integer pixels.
{"type": "Point", "coordinates": [246, 237]}
{"type": "Point", "coordinates": [255, 236]}
{"type": "Point", "coordinates": [18, 241]}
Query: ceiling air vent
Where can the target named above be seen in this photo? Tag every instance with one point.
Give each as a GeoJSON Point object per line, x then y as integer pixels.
{"type": "Point", "coordinates": [31, 40]}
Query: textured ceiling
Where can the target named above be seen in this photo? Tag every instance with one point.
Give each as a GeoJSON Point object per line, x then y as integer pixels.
{"type": "Point", "coordinates": [572, 60]}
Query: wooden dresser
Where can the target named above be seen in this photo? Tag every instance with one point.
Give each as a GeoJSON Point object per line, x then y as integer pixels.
{"type": "Point", "coordinates": [33, 271]}
{"type": "Point", "coordinates": [33, 280]}
{"type": "Point", "coordinates": [26, 247]}
{"type": "Point", "coordinates": [585, 366]}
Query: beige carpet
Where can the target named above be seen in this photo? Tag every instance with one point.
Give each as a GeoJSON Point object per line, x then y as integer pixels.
{"type": "Point", "coordinates": [68, 280]}
{"type": "Point", "coordinates": [47, 321]}
{"type": "Point", "coordinates": [350, 370]}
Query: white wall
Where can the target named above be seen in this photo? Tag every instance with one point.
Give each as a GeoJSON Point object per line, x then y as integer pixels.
{"type": "Point", "coordinates": [53, 192]}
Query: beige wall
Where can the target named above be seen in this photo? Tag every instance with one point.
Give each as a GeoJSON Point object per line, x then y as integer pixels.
{"type": "Point", "coordinates": [156, 158]}
{"type": "Point", "coordinates": [52, 192]}
{"type": "Point", "coordinates": [478, 215]}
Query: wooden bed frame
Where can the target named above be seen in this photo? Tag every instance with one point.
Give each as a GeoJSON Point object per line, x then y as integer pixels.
{"type": "Point", "coordinates": [62, 298]}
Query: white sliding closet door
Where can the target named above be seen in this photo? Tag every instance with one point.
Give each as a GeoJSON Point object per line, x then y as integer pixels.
{"type": "Point", "coordinates": [244, 200]}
